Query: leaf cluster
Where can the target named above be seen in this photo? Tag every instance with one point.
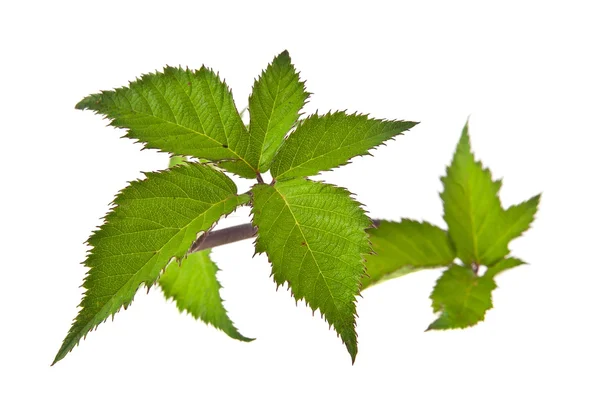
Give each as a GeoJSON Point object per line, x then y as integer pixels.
{"type": "Point", "coordinates": [479, 232]}
{"type": "Point", "coordinates": [319, 240]}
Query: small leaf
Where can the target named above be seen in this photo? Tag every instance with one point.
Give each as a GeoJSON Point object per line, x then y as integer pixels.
{"type": "Point", "coordinates": [462, 297]}
{"type": "Point", "coordinates": [515, 220]}
{"type": "Point", "coordinates": [188, 113]}
{"type": "Point", "coordinates": [501, 266]}
{"type": "Point", "coordinates": [153, 220]}
{"type": "Point", "coordinates": [176, 160]}
{"type": "Point", "coordinates": [325, 142]}
{"type": "Point", "coordinates": [194, 286]}
{"type": "Point", "coordinates": [477, 224]}
{"type": "Point", "coordinates": [314, 235]}
{"type": "Point", "coordinates": [404, 247]}
{"type": "Point", "coordinates": [276, 100]}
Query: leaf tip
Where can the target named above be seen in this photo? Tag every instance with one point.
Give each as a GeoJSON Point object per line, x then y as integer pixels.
{"type": "Point", "coordinates": [435, 325]}
{"type": "Point", "coordinates": [62, 352]}
{"type": "Point", "coordinates": [88, 102]}
{"type": "Point", "coordinates": [465, 138]}
{"type": "Point", "coordinates": [536, 199]}
{"type": "Point", "coordinates": [353, 351]}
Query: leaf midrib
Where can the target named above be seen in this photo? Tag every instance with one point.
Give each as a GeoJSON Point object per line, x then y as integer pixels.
{"type": "Point", "coordinates": [214, 102]}
{"type": "Point", "coordinates": [333, 299]}
{"type": "Point", "coordinates": [324, 155]}
{"type": "Point", "coordinates": [190, 130]}
{"type": "Point", "coordinates": [262, 146]}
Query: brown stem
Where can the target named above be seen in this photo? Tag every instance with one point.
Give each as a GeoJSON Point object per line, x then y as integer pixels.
{"type": "Point", "coordinates": [230, 235]}
{"type": "Point", "coordinates": [223, 236]}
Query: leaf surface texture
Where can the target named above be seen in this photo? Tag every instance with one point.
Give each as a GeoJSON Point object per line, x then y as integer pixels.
{"type": "Point", "coordinates": [314, 235]}
{"type": "Point", "coordinates": [277, 98]}
{"type": "Point", "coordinates": [403, 247]}
{"type": "Point", "coordinates": [462, 298]}
{"type": "Point", "coordinates": [194, 287]}
{"type": "Point", "coordinates": [325, 142]}
{"type": "Point", "coordinates": [152, 221]}
{"type": "Point", "coordinates": [477, 224]}
{"type": "Point", "coordinates": [180, 111]}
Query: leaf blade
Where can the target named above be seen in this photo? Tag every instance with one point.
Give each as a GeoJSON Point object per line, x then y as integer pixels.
{"type": "Point", "coordinates": [477, 224]}
{"type": "Point", "coordinates": [274, 105]}
{"type": "Point", "coordinates": [194, 287]}
{"type": "Point", "coordinates": [324, 142]}
{"type": "Point", "coordinates": [152, 221]}
{"type": "Point", "coordinates": [188, 113]}
{"type": "Point", "coordinates": [471, 203]}
{"type": "Point", "coordinates": [314, 235]}
{"type": "Point", "coordinates": [463, 298]}
{"type": "Point", "coordinates": [502, 266]}
{"type": "Point", "coordinates": [406, 246]}
{"type": "Point", "coordinates": [515, 221]}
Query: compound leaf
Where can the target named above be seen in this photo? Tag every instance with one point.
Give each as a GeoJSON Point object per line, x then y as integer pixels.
{"type": "Point", "coordinates": [276, 100]}
{"type": "Point", "coordinates": [463, 298]}
{"type": "Point", "coordinates": [403, 247]}
{"type": "Point", "coordinates": [152, 221]}
{"type": "Point", "coordinates": [325, 142]}
{"type": "Point", "coordinates": [314, 235]}
{"type": "Point", "coordinates": [179, 111]}
{"type": "Point", "coordinates": [477, 224]}
{"type": "Point", "coordinates": [193, 285]}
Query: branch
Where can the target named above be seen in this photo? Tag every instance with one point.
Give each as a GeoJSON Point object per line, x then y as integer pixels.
{"type": "Point", "coordinates": [230, 235]}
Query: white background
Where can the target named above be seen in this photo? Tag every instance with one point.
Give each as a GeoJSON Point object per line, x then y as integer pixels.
{"type": "Point", "coordinates": [527, 74]}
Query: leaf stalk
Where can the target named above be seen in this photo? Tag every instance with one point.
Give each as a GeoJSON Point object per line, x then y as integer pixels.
{"type": "Point", "coordinates": [230, 235]}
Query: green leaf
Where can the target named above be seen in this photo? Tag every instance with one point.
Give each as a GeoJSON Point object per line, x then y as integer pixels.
{"type": "Point", "coordinates": [462, 297]}
{"type": "Point", "coordinates": [325, 142]}
{"type": "Point", "coordinates": [477, 224]}
{"type": "Point", "coordinates": [276, 100]}
{"type": "Point", "coordinates": [188, 113]}
{"type": "Point", "coordinates": [176, 160]}
{"type": "Point", "coordinates": [501, 266]}
{"type": "Point", "coordinates": [515, 220]}
{"type": "Point", "coordinates": [152, 221]}
{"type": "Point", "coordinates": [404, 247]}
{"type": "Point", "coordinates": [194, 286]}
{"type": "Point", "coordinates": [314, 235]}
